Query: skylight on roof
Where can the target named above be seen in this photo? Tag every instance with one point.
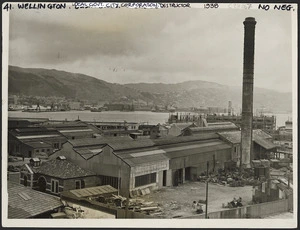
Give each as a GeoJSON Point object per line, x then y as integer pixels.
{"type": "Point", "coordinates": [25, 196]}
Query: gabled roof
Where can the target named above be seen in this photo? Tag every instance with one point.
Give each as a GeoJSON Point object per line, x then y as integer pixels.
{"type": "Point", "coordinates": [142, 156]}
{"type": "Point", "coordinates": [38, 144]}
{"type": "Point", "coordinates": [182, 125]}
{"type": "Point", "coordinates": [25, 202]}
{"type": "Point", "coordinates": [89, 152]}
{"type": "Point", "coordinates": [265, 143]}
{"type": "Point", "coordinates": [262, 134]}
{"type": "Point", "coordinates": [259, 137]}
{"type": "Point", "coordinates": [233, 137]}
{"type": "Point", "coordinates": [62, 169]}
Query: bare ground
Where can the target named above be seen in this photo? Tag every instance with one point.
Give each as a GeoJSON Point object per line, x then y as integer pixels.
{"type": "Point", "coordinates": [177, 201]}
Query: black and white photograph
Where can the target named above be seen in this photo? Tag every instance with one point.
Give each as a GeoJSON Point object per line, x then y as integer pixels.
{"type": "Point", "coordinates": [171, 114]}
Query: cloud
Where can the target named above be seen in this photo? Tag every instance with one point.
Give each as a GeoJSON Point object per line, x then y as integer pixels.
{"type": "Point", "coordinates": [166, 45]}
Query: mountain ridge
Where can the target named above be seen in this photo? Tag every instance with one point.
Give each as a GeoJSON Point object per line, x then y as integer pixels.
{"type": "Point", "coordinates": [52, 82]}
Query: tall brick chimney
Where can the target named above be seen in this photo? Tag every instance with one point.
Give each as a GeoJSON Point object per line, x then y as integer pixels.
{"type": "Point", "coordinates": [229, 108]}
{"type": "Point", "coordinates": [247, 107]}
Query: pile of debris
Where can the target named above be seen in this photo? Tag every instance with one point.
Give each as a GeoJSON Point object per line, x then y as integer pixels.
{"type": "Point", "coordinates": [233, 178]}
{"type": "Point", "coordinates": [136, 204]}
{"type": "Point", "coordinates": [235, 203]}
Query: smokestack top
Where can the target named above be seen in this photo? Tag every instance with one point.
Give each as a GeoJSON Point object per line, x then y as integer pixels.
{"type": "Point", "coordinates": [250, 20]}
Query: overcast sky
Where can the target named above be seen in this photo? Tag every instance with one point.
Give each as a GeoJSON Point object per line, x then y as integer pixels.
{"type": "Point", "coordinates": [163, 45]}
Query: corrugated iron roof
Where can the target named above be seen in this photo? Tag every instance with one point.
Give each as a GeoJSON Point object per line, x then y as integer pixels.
{"type": "Point", "coordinates": [182, 125]}
{"type": "Point", "coordinates": [197, 148]}
{"type": "Point", "coordinates": [259, 136]}
{"type": "Point", "coordinates": [182, 139]}
{"type": "Point", "coordinates": [24, 202]}
{"type": "Point", "coordinates": [219, 123]}
{"type": "Point", "coordinates": [94, 191]}
{"type": "Point", "coordinates": [265, 143]}
{"type": "Point", "coordinates": [75, 130]}
{"type": "Point", "coordinates": [261, 133]}
{"type": "Point", "coordinates": [233, 136]}
{"type": "Point", "coordinates": [130, 144]}
{"type": "Point", "coordinates": [38, 144]}
{"type": "Point", "coordinates": [63, 169]}
{"type": "Point", "coordinates": [140, 156]}
{"type": "Point", "coordinates": [88, 153]}
{"type": "Point", "coordinates": [97, 141]}
{"type": "Point", "coordinates": [213, 128]}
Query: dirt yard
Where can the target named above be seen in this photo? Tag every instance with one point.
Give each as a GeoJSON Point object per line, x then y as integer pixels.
{"type": "Point", "coordinates": [177, 201]}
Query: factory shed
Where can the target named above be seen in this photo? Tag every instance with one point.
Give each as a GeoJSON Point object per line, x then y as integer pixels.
{"type": "Point", "coordinates": [24, 202]}
{"type": "Point", "coordinates": [209, 129]}
{"type": "Point", "coordinates": [34, 141]}
{"type": "Point", "coordinates": [74, 129]}
{"type": "Point", "coordinates": [137, 165]}
{"type": "Point", "coordinates": [188, 161]}
{"type": "Point", "coordinates": [176, 129]}
{"type": "Point", "coordinates": [262, 143]}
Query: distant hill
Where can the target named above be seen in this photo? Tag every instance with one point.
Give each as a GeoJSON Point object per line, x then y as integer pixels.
{"type": "Point", "coordinates": [203, 93]}
{"type": "Point", "coordinates": [46, 82]}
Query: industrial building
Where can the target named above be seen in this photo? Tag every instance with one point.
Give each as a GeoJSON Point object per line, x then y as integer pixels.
{"type": "Point", "coordinates": [34, 142]}
{"type": "Point", "coordinates": [266, 123]}
{"type": "Point", "coordinates": [262, 144]}
{"type": "Point", "coordinates": [16, 122]}
{"type": "Point", "coordinates": [73, 129]}
{"type": "Point", "coordinates": [133, 165]}
{"type": "Point", "coordinates": [56, 175]}
{"type": "Point", "coordinates": [210, 128]}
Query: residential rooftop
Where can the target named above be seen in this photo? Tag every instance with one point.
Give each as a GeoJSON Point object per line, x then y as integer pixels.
{"type": "Point", "coordinates": [24, 202]}
{"type": "Point", "coordinates": [62, 169]}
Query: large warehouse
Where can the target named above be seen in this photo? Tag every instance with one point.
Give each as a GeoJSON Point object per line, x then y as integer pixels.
{"type": "Point", "coordinates": [131, 165]}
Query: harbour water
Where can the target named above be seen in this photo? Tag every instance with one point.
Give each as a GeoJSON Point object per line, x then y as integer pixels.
{"type": "Point", "coordinates": [136, 116]}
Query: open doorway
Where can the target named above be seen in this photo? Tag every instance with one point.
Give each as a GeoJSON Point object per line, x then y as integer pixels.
{"type": "Point", "coordinates": [42, 184]}
{"type": "Point", "coordinates": [187, 173]}
{"type": "Point", "coordinates": [165, 178]}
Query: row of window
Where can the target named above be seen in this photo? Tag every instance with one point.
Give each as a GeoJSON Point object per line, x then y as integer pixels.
{"type": "Point", "coordinates": [145, 179]}
{"type": "Point", "coordinates": [42, 150]}
{"type": "Point", "coordinates": [55, 185]}
{"type": "Point", "coordinates": [109, 180]}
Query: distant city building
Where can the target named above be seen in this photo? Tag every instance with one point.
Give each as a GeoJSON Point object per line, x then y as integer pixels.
{"type": "Point", "coordinates": [74, 105]}
{"type": "Point", "coordinates": [12, 100]}
{"type": "Point", "coordinates": [158, 131]}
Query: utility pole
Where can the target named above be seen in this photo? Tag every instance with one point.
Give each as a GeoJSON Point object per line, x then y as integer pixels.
{"type": "Point", "coordinates": [127, 197]}
{"type": "Point", "coordinates": [206, 201]}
